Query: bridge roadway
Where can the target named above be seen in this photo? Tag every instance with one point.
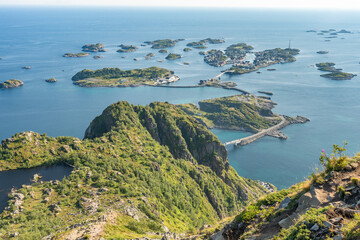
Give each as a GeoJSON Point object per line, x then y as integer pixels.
{"type": "Point", "coordinates": [256, 136]}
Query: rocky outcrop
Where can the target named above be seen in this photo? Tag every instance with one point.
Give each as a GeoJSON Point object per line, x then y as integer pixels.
{"type": "Point", "coordinates": [12, 83]}
{"type": "Point", "coordinates": [322, 210]}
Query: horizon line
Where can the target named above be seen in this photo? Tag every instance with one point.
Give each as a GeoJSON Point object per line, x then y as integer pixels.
{"type": "Point", "coordinates": [226, 7]}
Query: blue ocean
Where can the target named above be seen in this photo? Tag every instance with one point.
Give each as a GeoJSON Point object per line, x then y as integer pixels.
{"type": "Point", "coordinates": [38, 37]}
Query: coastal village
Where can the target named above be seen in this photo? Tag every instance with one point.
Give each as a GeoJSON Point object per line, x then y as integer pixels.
{"type": "Point", "coordinates": [237, 55]}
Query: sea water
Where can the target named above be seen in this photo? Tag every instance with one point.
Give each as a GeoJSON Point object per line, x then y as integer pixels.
{"type": "Point", "coordinates": [38, 37]}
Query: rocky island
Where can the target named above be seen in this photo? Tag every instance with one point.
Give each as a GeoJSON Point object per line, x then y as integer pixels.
{"type": "Point", "coordinates": [322, 52]}
{"type": "Point", "coordinates": [173, 56]}
{"type": "Point", "coordinates": [201, 44]}
{"type": "Point", "coordinates": [187, 49]}
{"type": "Point", "coordinates": [214, 40]}
{"type": "Point", "coordinates": [12, 83]}
{"type": "Point", "coordinates": [127, 48]}
{"type": "Point", "coordinates": [51, 80]}
{"type": "Point", "coordinates": [115, 77]}
{"type": "Point", "coordinates": [75, 55]}
{"type": "Point", "coordinates": [149, 56]}
{"type": "Point", "coordinates": [163, 51]}
{"type": "Point", "coordinates": [335, 73]}
{"type": "Point", "coordinates": [338, 75]}
{"type": "Point", "coordinates": [93, 48]}
{"type": "Point", "coordinates": [163, 43]}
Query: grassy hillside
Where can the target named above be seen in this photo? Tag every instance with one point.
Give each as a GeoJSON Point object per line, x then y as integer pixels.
{"type": "Point", "coordinates": [140, 171]}
{"type": "Point", "coordinates": [240, 112]}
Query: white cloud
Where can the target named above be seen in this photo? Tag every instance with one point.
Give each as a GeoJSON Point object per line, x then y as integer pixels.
{"type": "Point", "coordinates": [296, 4]}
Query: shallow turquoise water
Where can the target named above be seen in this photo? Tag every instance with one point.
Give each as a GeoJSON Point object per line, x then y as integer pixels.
{"type": "Point", "coordinates": [38, 37]}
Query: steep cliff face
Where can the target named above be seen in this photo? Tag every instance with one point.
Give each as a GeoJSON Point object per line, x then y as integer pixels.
{"type": "Point", "coordinates": [140, 171]}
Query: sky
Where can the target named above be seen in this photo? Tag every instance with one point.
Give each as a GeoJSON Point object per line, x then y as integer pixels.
{"type": "Point", "coordinates": [293, 4]}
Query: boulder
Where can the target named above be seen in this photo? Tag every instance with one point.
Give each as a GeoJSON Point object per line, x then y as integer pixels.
{"type": "Point", "coordinates": [218, 236]}
{"type": "Point", "coordinates": [315, 227]}
{"type": "Point", "coordinates": [284, 203]}
{"type": "Point", "coordinates": [289, 221]}
{"type": "Point", "coordinates": [314, 198]}
{"type": "Point", "coordinates": [354, 165]}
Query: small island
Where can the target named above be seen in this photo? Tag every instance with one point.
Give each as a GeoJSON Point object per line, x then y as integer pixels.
{"type": "Point", "coordinates": [187, 49]}
{"type": "Point", "coordinates": [163, 43]}
{"type": "Point", "coordinates": [12, 83]}
{"type": "Point", "coordinates": [97, 56]}
{"type": "Point", "coordinates": [75, 55]}
{"type": "Point", "coordinates": [322, 52]}
{"type": "Point", "coordinates": [343, 31]}
{"type": "Point", "coordinates": [115, 77]}
{"type": "Point", "coordinates": [338, 75]}
{"type": "Point", "coordinates": [334, 73]}
{"type": "Point", "coordinates": [186, 63]}
{"type": "Point", "coordinates": [1, 58]}
{"type": "Point", "coordinates": [51, 80]}
{"type": "Point", "coordinates": [214, 40]}
{"type": "Point", "coordinates": [163, 51]}
{"type": "Point", "coordinates": [327, 67]}
{"type": "Point", "coordinates": [127, 48]}
{"type": "Point", "coordinates": [93, 48]}
{"type": "Point", "coordinates": [173, 56]}
{"type": "Point", "coordinates": [201, 44]}
{"type": "Point", "coordinates": [149, 56]}
{"type": "Point", "coordinates": [196, 44]}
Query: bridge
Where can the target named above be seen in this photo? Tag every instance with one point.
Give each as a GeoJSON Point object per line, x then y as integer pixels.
{"type": "Point", "coordinates": [222, 73]}
{"type": "Point", "coordinates": [256, 136]}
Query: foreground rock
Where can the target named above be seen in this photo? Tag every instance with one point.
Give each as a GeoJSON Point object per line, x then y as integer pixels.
{"type": "Point", "coordinates": [325, 208]}
{"type": "Point", "coordinates": [12, 83]}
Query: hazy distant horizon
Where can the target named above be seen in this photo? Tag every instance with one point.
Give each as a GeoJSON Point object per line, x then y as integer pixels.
{"type": "Point", "coordinates": [255, 4]}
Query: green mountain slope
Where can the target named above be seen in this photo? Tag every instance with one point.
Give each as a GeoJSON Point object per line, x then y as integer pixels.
{"type": "Point", "coordinates": [140, 171]}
